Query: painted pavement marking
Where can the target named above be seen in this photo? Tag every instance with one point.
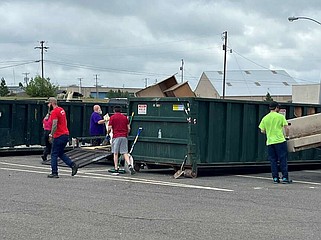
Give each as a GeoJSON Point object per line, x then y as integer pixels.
{"type": "Point", "coordinates": [109, 177]}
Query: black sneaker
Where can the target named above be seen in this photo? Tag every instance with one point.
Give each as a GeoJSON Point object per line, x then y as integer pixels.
{"type": "Point", "coordinates": [131, 169]}
{"type": "Point", "coordinates": [276, 180]}
{"type": "Point", "coordinates": [286, 181]}
{"type": "Point", "coordinates": [43, 158]}
{"type": "Point", "coordinates": [74, 169]}
{"type": "Point", "coordinates": [53, 176]}
{"type": "Point", "coordinates": [114, 172]}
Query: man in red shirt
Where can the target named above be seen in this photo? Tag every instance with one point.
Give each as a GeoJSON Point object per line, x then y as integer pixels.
{"type": "Point", "coordinates": [119, 124]}
{"type": "Point", "coordinates": [59, 136]}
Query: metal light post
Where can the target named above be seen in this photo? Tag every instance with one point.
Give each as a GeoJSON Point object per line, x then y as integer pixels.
{"type": "Point", "coordinates": [291, 19]}
{"type": "Point", "coordinates": [224, 72]}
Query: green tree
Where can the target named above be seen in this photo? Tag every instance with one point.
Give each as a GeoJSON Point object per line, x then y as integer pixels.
{"type": "Point", "coordinates": [117, 94]}
{"type": "Point", "coordinates": [40, 87]}
{"type": "Point", "coordinates": [4, 91]}
{"type": "Point", "coordinates": [268, 98]}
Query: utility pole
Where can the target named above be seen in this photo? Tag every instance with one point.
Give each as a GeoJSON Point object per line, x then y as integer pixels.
{"type": "Point", "coordinates": [80, 84]}
{"type": "Point", "coordinates": [42, 48]}
{"type": "Point", "coordinates": [14, 77]}
{"type": "Point", "coordinates": [182, 71]}
{"type": "Point", "coordinates": [146, 82]}
{"type": "Point", "coordinates": [96, 81]}
{"type": "Point", "coordinates": [225, 49]}
{"type": "Point", "coordinates": [26, 79]}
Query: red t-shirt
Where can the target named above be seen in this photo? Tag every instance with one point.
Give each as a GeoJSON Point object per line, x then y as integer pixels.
{"type": "Point", "coordinates": [60, 114]}
{"type": "Point", "coordinates": [119, 124]}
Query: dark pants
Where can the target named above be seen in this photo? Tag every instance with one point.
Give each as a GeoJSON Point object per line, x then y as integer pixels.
{"type": "Point", "coordinates": [47, 149]}
{"type": "Point", "coordinates": [96, 142]}
{"type": "Point", "coordinates": [278, 154]}
{"type": "Point", "coordinates": [58, 147]}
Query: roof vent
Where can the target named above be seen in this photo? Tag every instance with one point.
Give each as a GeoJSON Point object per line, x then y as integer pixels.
{"type": "Point", "coordinates": [229, 84]}
{"type": "Point", "coordinates": [286, 84]}
{"type": "Point", "coordinates": [220, 72]}
{"type": "Point", "coordinates": [274, 72]}
{"type": "Point", "coordinates": [247, 72]}
{"type": "Point", "coordinates": [257, 84]}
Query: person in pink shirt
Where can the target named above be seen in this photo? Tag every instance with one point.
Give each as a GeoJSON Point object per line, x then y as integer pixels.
{"type": "Point", "coordinates": [47, 124]}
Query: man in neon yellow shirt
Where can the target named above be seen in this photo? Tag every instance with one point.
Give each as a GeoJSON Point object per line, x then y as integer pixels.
{"type": "Point", "coordinates": [274, 125]}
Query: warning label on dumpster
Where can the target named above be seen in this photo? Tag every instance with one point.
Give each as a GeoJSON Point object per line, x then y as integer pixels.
{"type": "Point", "coordinates": [178, 107]}
{"type": "Point", "coordinates": [142, 109]}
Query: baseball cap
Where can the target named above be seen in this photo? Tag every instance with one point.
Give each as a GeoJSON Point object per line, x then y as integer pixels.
{"type": "Point", "coordinates": [273, 105]}
{"type": "Point", "coordinates": [52, 99]}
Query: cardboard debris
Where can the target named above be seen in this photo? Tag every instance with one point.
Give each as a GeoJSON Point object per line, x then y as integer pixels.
{"type": "Point", "coordinates": [167, 88]}
{"type": "Point", "coordinates": [304, 132]}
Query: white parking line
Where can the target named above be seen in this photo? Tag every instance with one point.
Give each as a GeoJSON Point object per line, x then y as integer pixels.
{"type": "Point", "coordinates": [113, 178]}
{"type": "Point", "coordinates": [94, 170]}
{"type": "Point", "coordinates": [310, 171]}
{"type": "Point", "coordinates": [22, 165]}
{"type": "Point", "coordinates": [265, 178]}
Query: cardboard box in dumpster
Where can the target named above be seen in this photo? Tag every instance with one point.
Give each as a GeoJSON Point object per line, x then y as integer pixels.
{"type": "Point", "coordinates": [304, 132]}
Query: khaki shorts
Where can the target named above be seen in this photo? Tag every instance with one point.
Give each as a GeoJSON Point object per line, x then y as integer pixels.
{"type": "Point", "coordinates": [119, 145]}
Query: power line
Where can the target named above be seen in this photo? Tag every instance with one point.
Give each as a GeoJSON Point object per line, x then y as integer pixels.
{"type": "Point", "coordinates": [266, 68]}
{"type": "Point", "coordinates": [140, 45]}
{"type": "Point", "coordinates": [20, 64]}
{"type": "Point", "coordinates": [82, 66]}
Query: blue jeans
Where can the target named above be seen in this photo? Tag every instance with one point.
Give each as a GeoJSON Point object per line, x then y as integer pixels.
{"type": "Point", "coordinates": [278, 153]}
{"type": "Point", "coordinates": [58, 147]}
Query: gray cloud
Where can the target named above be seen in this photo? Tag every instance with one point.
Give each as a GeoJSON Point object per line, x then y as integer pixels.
{"type": "Point", "coordinates": [127, 41]}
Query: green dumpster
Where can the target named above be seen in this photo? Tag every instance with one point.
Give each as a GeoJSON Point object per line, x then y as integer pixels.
{"type": "Point", "coordinates": [21, 120]}
{"type": "Point", "coordinates": [210, 132]}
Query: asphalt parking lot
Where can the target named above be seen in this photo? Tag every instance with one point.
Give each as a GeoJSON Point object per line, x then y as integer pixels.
{"type": "Point", "coordinates": [154, 205]}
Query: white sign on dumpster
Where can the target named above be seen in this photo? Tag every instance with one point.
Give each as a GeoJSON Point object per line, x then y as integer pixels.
{"type": "Point", "coordinates": [142, 109]}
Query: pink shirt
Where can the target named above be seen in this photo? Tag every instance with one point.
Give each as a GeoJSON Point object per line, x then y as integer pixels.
{"type": "Point", "coordinates": [47, 123]}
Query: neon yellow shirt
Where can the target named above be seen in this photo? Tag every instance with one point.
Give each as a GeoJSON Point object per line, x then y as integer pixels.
{"type": "Point", "coordinates": [273, 124]}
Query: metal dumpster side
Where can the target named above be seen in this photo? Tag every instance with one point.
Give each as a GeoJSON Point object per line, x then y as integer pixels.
{"type": "Point", "coordinates": [211, 132]}
{"type": "Point", "coordinates": [21, 120]}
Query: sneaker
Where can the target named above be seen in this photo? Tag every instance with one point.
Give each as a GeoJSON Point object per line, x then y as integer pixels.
{"type": "Point", "coordinates": [276, 180]}
{"type": "Point", "coordinates": [53, 176]}
{"type": "Point", "coordinates": [114, 172]}
{"type": "Point", "coordinates": [131, 169]}
{"type": "Point", "coordinates": [43, 158]}
{"type": "Point", "coordinates": [74, 169]}
{"type": "Point", "coordinates": [286, 181]}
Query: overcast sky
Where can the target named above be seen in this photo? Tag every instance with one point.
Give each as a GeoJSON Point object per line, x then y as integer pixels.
{"type": "Point", "coordinates": [125, 42]}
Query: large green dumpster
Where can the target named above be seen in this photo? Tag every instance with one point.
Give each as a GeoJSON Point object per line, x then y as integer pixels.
{"type": "Point", "coordinates": [21, 120]}
{"type": "Point", "coordinates": [211, 132]}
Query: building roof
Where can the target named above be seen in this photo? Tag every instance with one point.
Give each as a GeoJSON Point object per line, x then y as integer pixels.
{"type": "Point", "coordinates": [252, 82]}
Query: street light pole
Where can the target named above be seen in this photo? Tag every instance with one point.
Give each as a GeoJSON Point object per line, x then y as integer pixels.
{"type": "Point", "coordinates": [291, 19]}
{"type": "Point", "coordinates": [224, 71]}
